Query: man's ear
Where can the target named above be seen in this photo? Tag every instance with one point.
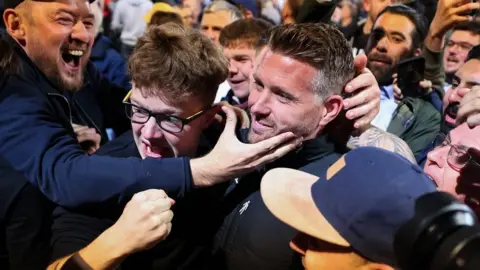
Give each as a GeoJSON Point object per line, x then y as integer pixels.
{"type": "Point", "coordinates": [15, 25]}
{"type": "Point", "coordinates": [209, 116]}
{"type": "Point", "coordinates": [417, 52]}
{"type": "Point", "coordinates": [333, 105]}
{"type": "Point", "coordinates": [366, 5]}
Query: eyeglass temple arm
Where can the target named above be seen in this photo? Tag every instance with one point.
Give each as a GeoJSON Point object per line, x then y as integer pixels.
{"type": "Point", "coordinates": [125, 99]}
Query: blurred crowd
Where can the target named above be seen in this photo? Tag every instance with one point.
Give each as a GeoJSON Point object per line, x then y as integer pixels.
{"type": "Point", "coordinates": [231, 134]}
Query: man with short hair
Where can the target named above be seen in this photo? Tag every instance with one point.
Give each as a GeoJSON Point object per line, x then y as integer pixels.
{"type": "Point", "coordinates": [398, 34]}
{"type": "Point", "coordinates": [216, 16]}
{"type": "Point", "coordinates": [239, 41]}
{"type": "Point", "coordinates": [300, 73]}
{"type": "Point", "coordinates": [37, 110]}
{"type": "Point", "coordinates": [349, 215]}
{"type": "Point", "coordinates": [171, 112]}
{"type": "Point", "coordinates": [360, 36]}
{"type": "Point", "coordinates": [463, 38]}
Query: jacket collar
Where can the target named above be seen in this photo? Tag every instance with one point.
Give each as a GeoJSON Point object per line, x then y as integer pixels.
{"type": "Point", "coordinates": [310, 151]}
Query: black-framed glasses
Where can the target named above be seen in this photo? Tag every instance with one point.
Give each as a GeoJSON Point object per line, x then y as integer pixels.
{"type": "Point", "coordinates": [169, 123]}
{"type": "Point", "coordinates": [458, 155]}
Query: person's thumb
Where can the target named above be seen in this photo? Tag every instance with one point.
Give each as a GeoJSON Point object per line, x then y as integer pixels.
{"type": "Point", "coordinates": [360, 63]}
{"type": "Point", "coordinates": [231, 121]}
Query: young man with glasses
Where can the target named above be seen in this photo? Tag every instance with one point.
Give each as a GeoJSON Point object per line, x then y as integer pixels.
{"type": "Point", "coordinates": [171, 113]}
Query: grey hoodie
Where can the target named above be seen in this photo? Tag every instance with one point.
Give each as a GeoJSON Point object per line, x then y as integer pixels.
{"type": "Point", "coordinates": [128, 19]}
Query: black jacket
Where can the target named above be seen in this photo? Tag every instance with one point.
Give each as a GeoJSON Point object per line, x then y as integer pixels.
{"type": "Point", "coordinates": [24, 222]}
{"type": "Point", "coordinates": [38, 141]}
{"type": "Point", "coordinates": [251, 237]}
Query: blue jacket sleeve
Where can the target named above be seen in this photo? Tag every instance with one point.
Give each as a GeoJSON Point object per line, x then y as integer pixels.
{"type": "Point", "coordinates": [36, 144]}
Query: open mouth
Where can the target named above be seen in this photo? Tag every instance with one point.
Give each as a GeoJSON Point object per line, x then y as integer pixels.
{"type": "Point", "coordinates": [451, 111]}
{"type": "Point", "coordinates": [72, 58]}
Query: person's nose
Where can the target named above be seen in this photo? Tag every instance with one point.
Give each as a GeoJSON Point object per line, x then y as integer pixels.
{"type": "Point", "coordinates": [438, 156]}
{"type": "Point", "coordinates": [232, 67]}
{"type": "Point", "coordinates": [259, 102]}
{"type": "Point", "coordinates": [151, 130]}
{"type": "Point", "coordinates": [382, 45]}
{"type": "Point", "coordinates": [81, 33]}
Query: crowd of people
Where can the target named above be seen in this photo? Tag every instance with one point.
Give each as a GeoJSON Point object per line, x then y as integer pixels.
{"type": "Point", "coordinates": [231, 134]}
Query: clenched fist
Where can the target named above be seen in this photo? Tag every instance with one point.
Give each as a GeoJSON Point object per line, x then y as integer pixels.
{"type": "Point", "coordinates": [145, 221]}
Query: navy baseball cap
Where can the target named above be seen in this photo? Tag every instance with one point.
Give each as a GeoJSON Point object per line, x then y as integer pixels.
{"type": "Point", "coordinates": [15, 3]}
{"type": "Point", "coordinates": [360, 201]}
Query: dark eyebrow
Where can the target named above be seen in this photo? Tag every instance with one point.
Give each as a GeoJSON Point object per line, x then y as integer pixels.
{"type": "Point", "coordinates": [398, 33]}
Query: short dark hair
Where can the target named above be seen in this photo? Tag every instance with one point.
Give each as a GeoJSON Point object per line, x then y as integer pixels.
{"type": "Point", "coordinates": [244, 32]}
{"type": "Point", "coordinates": [172, 61]}
{"type": "Point", "coordinates": [419, 20]}
{"type": "Point", "coordinates": [470, 26]}
{"type": "Point", "coordinates": [474, 53]}
{"type": "Point", "coordinates": [161, 17]}
{"type": "Point", "coordinates": [320, 45]}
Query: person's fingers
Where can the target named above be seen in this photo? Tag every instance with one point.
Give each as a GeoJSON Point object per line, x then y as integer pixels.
{"type": "Point", "coordinates": [78, 128]}
{"type": "Point", "coordinates": [426, 84]}
{"type": "Point", "coordinates": [467, 108]}
{"type": "Point", "coordinates": [360, 98]}
{"type": "Point", "coordinates": [473, 120]}
{"type": "Point", "coordinates": [456, 3]}
{"type": "Point", "coordinates": [272, 143]}
{"type": "Point", "coordinates": [86, 132]}
{"type": "Point", "coordinates": [152, 194]}
{"type": "Point", "coordinates": [466, 8]}
{"type": "Point", "coordinates": [231, 121]}
{"type": "Point", "coordinates": [360, 63]}
{"type": "Point", "coordinates": [160, 206]}
{"type": "Point", "coordinates": [278, 153]}
{"type": "Point", "coordinates": [360, 111]}
{"type": "Point", "coordinates": [461, 92]}
{"type": "Point", "coordinates": [359, 82]}
{"type": "Point", "coordinates": [394, 76]}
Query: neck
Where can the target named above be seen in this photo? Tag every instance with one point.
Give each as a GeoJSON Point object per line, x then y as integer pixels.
{"type": "Point", "coordinates": [367, 27]}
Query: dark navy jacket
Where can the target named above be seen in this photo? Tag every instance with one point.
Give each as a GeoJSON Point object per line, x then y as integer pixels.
{"type": "Point", "coordinates": [196, 219]}
{"type": "Point", "coordinates": [38, 140]}
{"type": "Point", "coordinates": [109, 62]}
{"type": "Point", "coordinates": [251, 237]}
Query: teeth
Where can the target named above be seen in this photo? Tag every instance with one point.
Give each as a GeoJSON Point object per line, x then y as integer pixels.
{"type": "Point", "coordinates": [76, 52]}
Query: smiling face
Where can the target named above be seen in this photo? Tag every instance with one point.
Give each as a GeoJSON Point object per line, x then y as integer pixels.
{"type": "Point", "coordinates": [389, 43]}
{"type": "Point", "coordinates": [57, 36]}
{"type": "Point", "coordinates": [241, 61]}
{"type": "Point", "coordinates": [152, 141]}
{"type": "Point", "coordinates": [437, 166]}
{"type": "Point", "coordinates": [281, 93]}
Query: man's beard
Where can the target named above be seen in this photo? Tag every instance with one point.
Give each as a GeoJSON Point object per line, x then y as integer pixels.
{"type": "Point", "coordinates": [384, 75]}
{"type": "Point", "coordinates": [49, 66]}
